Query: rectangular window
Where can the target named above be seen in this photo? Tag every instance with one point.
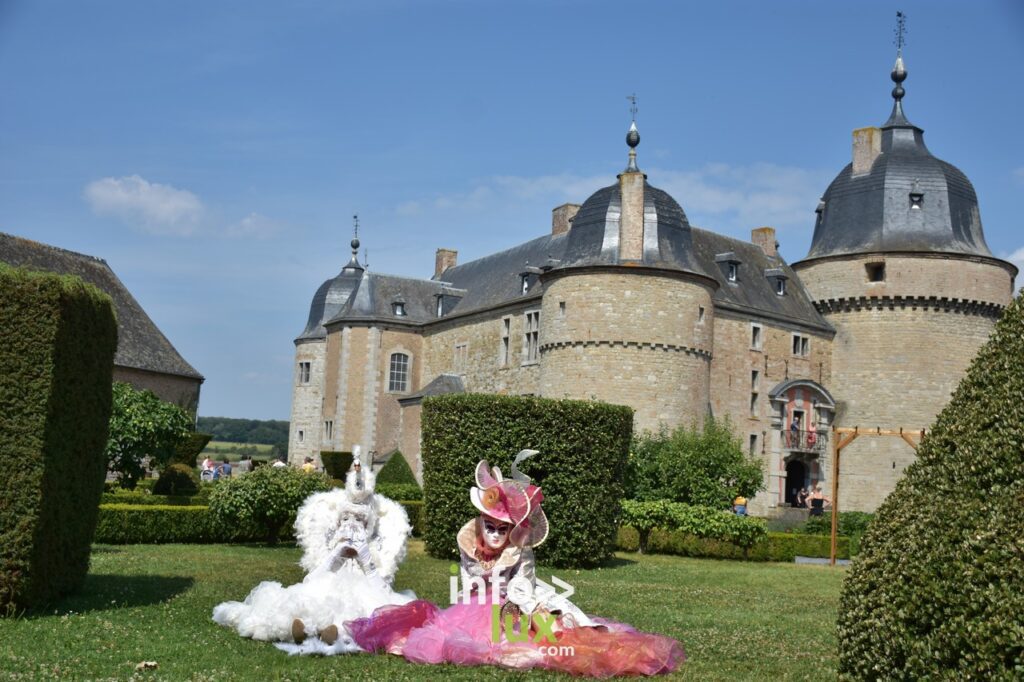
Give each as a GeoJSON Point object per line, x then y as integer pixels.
{"type": "Point", "coordinates": [398, 377]}
{"type": "Point", "coordinates": [755, 336]}
{"type": "Point", "coordinates": [304, 368]}
{"type": "Point", "coordinates": [700, 314]}
{"type": "Point", "coordinates": [801, 345]}
{"type": "Point", "coordinates": [506, 341]}
{"type": "Point", "coordinates": [328, 430]}
{"type": "Point", "coordinates": [459, 358]}
{"type": "Point", "coordinates": [753, 443]}
{"type": "Point", "coordinates": [753, 405]}
{"type": "Point", "coordinates": [780, 286]}
{"type": "Point", "coordinates": [561, 308]}
{"type": "Point", "coordinates": [875, 272]}
{"type": "Point", "coordinates": [302, 435]}
{"type": "Point", "coordinates": [531, 337]}
{"type": "Point", "coordinates": [734, 271]}
{"type": "Point", "coordinates": [755, 380]}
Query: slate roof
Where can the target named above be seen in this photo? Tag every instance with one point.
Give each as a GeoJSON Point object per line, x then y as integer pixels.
{"type": "Point", "coordinates": [754, 291]}
{"type": "Point", "coordinates": [328, 301]}
{"type": "Point", "coordinates": [443, 384]}
{"type": "Point", "coordinates": [140, 344]}
{"type": "Point", "coordinates": [871, 212]}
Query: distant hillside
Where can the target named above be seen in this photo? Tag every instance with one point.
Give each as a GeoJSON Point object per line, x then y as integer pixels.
{"type": "Point", "coordinates": [268, 432]}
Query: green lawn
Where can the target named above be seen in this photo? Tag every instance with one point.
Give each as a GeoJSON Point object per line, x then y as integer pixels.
{"type": "Point", "coordinates": [737, 621]}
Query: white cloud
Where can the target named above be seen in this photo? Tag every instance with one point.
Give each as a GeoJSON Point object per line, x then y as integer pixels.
{"type": "Point", "coordinates": [255, 225]}
{"type": "Point", "coordinates": [1017, 258]}
{"type": "Point", "coordinates": [147, 206]}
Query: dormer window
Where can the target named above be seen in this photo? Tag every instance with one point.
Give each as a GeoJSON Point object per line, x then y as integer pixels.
{"type": "Point", "coordinates": [778, 277]}
{"type": "Point", "coordinates": [398, 308]}
{"type": "Point", "coordinates": [524, 281]}
{"type": "Point", "coordinates": [780, 286]}
{"type": "Point", "coordinates": [440, 305]}
{"type": "Point", "coordinates": [730, 265]}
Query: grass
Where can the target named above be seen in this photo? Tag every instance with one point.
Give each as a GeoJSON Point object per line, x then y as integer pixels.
{"type": "Point", "coordinates": [219, 449]}
{"type": "Point", "coordinates": [737, 621]}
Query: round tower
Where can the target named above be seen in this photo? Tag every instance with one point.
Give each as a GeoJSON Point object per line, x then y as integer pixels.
{"type": "Point", "coordinates": [311, 359]}
{"type": "Point", "coordinates": [899, 266]}
{"type": "Point", "coordinates": [627, 314]}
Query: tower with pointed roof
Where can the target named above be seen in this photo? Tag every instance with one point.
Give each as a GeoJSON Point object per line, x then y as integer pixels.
{"type": "Point", "coordinates": [898, 265]}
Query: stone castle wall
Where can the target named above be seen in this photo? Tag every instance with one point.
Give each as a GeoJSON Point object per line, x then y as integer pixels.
{"type": "Point", "coordinates": [178, 390]}
{"type": "Point", "coordinates": [306, 403]}
{"type": "Point", "coordinates": [901, 347]}
{"type": "Point", "coordinates": [630, 338]}
{"type": "Point", "coordinates": [388, 417]}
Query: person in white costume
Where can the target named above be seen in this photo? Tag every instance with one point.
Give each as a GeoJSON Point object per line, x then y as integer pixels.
{"type": "Point", "coordinates": [353, 541]}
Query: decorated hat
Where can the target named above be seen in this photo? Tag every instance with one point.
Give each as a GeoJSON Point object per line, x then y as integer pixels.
{"type": "Point", "coordinates": [515, 501]}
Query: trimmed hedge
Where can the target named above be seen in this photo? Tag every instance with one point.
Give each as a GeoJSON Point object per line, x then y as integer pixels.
{"type": "Point", "coordinates": [57, 341]}
{"type": "Point", "coordinates": [121, 524]}
{"type": "Point", "coordinates": [414, 508]}
{"type": "Point", "coordinates": [700, 522]}
{"type": "Point", "coordinates": [336, 464]}
{"type": "Point", "coordinates": [145, 499]}
{"type": "Point", "coordinates": [396, 470]}
{"type": "Point", "coordinates": [772, 547]}
{"type": "Point", "coordinates": [399, 491]}
{"type": "Point", "coordinates": [177, 479]}
{"type": "Point", "coordinates": [938, 589]}
{"type": "Point", "coordinates": [188, 450]}
{"type": "Point", "coordinates": [583, 450]}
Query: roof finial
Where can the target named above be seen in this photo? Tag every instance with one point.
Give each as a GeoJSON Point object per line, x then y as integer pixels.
{"type": "Point", "coordinates": [899, 72]}
{"type": "Point", "coordinates": [633, 136]}
{"type": "Point", "coordinates": [353, 263]}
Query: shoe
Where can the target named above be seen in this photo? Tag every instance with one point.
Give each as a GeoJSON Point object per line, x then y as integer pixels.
{"type": "Point", "coordinates": [329, 635]}
{"type": "Point", "coordinates": [298, 631]}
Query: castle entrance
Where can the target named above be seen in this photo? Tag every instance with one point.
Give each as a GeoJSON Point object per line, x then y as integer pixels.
{"type": "Point", "coordinates": [796, 478]}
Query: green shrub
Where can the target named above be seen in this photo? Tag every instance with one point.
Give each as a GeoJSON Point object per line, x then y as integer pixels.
{"type": "Point", "coordinates": [936, 591]}
{"type": "Point", "coordinates": [336, 464]}
{"type": "Point", "coordinates": [700, 522]}
{"type": "Point", "coordinates": [706, 468]}
{"type": "Point", "coordinates": [121, 524]}
{"type": "Point", "coordinates": [268, 497]}
{"type": "Point", "coordinates": [135, 498]}
{"type": "Point", "coordinates": [583, 448]}
{"type": "Point", "coordinates": [783, 547]}
{"type": "Point", "coordinates": [142, 425]}
{"type": "Point", "coordinates": [851, 523]}
{"type": "Point", "coordinates": [397, 470]}
{"type": "Point", "coordinates": [177, 479]}
{"type": "Point", "coordinates": [400, 491]}
{"type": "Point", "coordinates": [187, 450]}
{"type": "Point", "coordinates": [57, 342]}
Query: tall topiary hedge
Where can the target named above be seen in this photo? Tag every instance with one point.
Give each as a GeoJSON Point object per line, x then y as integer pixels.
{"type": "Point", "coordinates": [57, 342]}
{"type": "Point", "coordinates": [396, 471]}
{"type": "Point", "coordinates": [336, 463]}
{"type": "Point", "coordinates": [938, 588]}
{"type": "Point", "coordinates": [583, 450]}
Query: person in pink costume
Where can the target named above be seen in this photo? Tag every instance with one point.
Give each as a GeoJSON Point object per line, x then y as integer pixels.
{"type": "Point", "coordinates": [505, 616]}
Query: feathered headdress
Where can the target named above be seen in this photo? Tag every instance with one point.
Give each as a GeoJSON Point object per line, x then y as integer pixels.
{"type": "Point", "coordinates": [515, 501]}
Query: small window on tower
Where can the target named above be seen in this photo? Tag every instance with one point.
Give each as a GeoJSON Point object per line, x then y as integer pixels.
{"type": "Point", "coordinates": [700, 314]}
{"type": "Point", "coordinates": [876, 272]}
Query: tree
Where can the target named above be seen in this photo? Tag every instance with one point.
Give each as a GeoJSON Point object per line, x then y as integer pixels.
{"type": "Point", "coordinates": [937, 590]}
{"type": "Point", "coordinates": [142, 425]}
{"type": "Point", "coordinates": [706, 468]}
{"type": "Point", "coordinates": [268, 497]}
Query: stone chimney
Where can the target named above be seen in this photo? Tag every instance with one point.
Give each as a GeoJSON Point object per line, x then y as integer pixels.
{"type": "Point", "coordinates": [561, 218]}
{"type": "Point", "coordinates": [444, 259]}
{"type": "Point", "coordinates": [867, 145]}
{"type": "Point", "coordinates": [765, 238]}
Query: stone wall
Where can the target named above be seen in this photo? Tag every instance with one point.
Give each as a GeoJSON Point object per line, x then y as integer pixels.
{"type": "Point", "coordinates": [171, 388]}
{"type": "Point", "coordinates": [306, 403]}
{"type": "Point", "coordinates": [387, 432]}
{"type": "Point", "coordinates": [632, 338]}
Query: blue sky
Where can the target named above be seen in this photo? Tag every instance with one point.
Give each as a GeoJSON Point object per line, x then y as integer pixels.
{"type": "Point", "coordinates": [214, 152]}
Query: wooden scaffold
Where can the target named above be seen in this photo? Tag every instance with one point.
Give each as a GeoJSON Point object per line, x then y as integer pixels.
{"type": "Point", "coordinates": [848, 435]}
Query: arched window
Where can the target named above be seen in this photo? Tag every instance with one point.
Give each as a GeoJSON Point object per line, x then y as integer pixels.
{"type": "Point", "coordinates": [398, 380]}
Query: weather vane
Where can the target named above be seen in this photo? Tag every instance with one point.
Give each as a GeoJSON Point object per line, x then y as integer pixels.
{"type": "Point", "coordinates": [355, 225]}
{"type": "Point", "coordinates": [632, 105]}
{"type": "Point", "coordinates": [900, 31]}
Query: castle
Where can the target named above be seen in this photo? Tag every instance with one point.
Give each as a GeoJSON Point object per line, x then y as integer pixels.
{"type": "Point", "coordinates": [625, 302]}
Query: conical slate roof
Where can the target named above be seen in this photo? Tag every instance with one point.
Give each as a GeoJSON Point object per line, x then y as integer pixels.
{"type": "Point", "coordinates": [908, 200]}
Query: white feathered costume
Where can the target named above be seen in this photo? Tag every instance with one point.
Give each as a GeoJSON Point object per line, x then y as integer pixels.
{"type": "Point", "coordinates": [353, 541]}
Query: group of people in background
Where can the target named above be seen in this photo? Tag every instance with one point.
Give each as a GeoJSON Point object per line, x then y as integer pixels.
{"type": "Point", "coordinates": [212, 470]}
